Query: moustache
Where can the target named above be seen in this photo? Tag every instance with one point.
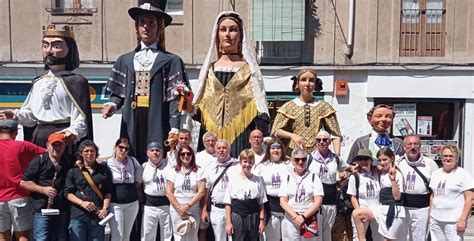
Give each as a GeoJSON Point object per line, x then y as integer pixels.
{"type": "Point", "coordinates": [51, 60]}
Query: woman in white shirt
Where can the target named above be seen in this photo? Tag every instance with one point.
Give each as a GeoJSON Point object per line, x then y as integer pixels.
{"type": "Point", "coordinates": [391, 213]}
{"type": "Point", "coordinates": [244, 198]}
{"type": "Point", "coordinates": [301, 195]}
{"type": "Point", "coordinates": [451, 199]}
{"type": "Point", "coordinates": [185, 188]}
{"type": "Point", "coordinates": [127, 179]}
{"type": "Point", "coordinates": [364, 189]}
{"type": "Point", "coordinates": [273, 168]}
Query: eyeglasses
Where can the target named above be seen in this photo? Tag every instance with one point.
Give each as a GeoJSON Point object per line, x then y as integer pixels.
{"type": "Point", "coordinates": [448, 156]}
{"type": "Point", "coordinates": [185, 154]}
{"type": "Point", "coordinates": [303, 159]}
{"type": "Point", "coordinates": [322, 139]}
{"type": "Point", "coordinates": [123, 148]}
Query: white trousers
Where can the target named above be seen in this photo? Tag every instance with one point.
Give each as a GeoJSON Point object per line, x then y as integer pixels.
{"type": "Point", "coordinates": [217, 219]}
{"type": "Point", "coordinates": [374, 228]}
{"type": "Point", "coordinates": [416, 225]}
{"type": "Point", "coordinates": [154, 217]}
{"type": "Point", "coordinates": [290, 232]}
{"type": "Point", "coordinates": [326, 222]}
{"type": "Point", "coordinates": [441, 231]}
{"type": "Point", "coordinates": [122, 223]}
{"type": "Point", "coordinates": [194, 211]}
{"type": "Point", "coordinates": [273, 228]}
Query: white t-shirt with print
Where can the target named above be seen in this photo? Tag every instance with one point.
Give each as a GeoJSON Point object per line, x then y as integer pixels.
{"type": "Point", "coordinates": [413, 182]}
{"type": "Point", "coordinates": [272, 175]}
{"type": "Point", "coordinates": [448, 190]}
{"type": "Point", "coordinates": [204, 159]}
{"type": "Point", "coordinates": [301, 190]}
{"type": "Point", "coordinates": [155, 183]}
{"type": "Point", "coordinates": [328, 172]}
{"type": "Point", "coordinates": [185, 185]}
{"type": "Point", "coordinates": [369, 189]}
{"type": "Point", "coordinates": [386, 183]}
{"type": "Point", "coordinates": [244, 189]}
{"type": "Point", "coordinates": [212, 173]}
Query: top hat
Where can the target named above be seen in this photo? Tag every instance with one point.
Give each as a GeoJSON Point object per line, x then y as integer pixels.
{"type": "Point", "coordinates": [156, 7]}
{"type": "Point", "coordinates": [64, 32]}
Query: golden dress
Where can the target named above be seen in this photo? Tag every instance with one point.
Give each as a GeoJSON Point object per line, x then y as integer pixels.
{"type": "Point", "coordinates": [228, 107]}
{"type": "Point", "coordinates": [291, 117]}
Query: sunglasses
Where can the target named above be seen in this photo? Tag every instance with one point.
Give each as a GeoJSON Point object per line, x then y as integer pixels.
{"type": "Point", "coordinates": [322, 139]}
{"type": "Point", "coordinates": [185, 154]}
{"type": "Point", "coordinates": [303, 159]}
{"type": "Point", "coordinates": [123, 148]}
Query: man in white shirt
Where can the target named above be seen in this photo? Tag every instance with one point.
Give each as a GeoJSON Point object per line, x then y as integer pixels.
{"type": "Point", "coordinates": [416, 170]}
{"type": "Point", "coordinates": [204, 159]}
{"type": "Point", "coordinates": [207, 156]}
{"type": "Point", "coordinates": [326, 164]}
{"type": "Point", "coordinates": [256, 144]}
{"type": "Point", "coordinates": [59, 100]}
{"type": "Point", "coordinates": [217, 188]}
{"type": "Point", "coordinates": [184, 139]}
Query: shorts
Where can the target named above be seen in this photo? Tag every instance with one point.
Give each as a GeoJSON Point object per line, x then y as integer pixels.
{"type": "Point", "coordinates": [17, 213]}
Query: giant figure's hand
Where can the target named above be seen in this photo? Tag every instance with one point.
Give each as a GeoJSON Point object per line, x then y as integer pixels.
{"type": "Point", "coordinates": [7, 114]}
{"type": "Point", "coordinates": [108, 111]}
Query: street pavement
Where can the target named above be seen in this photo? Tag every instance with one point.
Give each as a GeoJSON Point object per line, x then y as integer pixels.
{"type": "Point", "coordinates": [469, 235]}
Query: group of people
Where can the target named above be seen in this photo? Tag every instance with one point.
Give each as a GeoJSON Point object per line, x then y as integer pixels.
{"type": "Point", "coordinates": [239, 186]}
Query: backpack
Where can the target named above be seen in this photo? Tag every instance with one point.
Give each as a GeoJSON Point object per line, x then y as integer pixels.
{"type": "Point", "coordinates": [344, 205]}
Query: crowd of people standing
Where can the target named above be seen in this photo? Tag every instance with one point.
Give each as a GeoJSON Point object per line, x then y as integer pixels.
{"type": "Point", "coordinates": [255, 179]}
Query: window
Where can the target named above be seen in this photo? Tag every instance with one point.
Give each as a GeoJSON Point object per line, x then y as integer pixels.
{"type": "Point", "coordinates": [437, 121]}
{"type": "Point", "coordinates": [175, 7]}
{"type": "Point", "coordinates": [422, 28]}
{"type": "Point", "coordinates": [279, 52]}
{"type": "Point", "coordinates": [278, 28]}
{"type": "Point", "coordinates": [72, 7]}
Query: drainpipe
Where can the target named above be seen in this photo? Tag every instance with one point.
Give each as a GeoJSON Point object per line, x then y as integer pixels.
{"type": "Point", "coordinates": [350, 33]}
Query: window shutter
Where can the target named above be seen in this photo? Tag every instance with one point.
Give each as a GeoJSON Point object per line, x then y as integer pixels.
{"type": "Point", "coordinates": [278, 20]}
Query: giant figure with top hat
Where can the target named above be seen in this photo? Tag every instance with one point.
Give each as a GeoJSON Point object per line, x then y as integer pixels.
{"type": "Point", "coordinates": [59, 101]}
{"type": "Point", "coordinates": [145, 82]}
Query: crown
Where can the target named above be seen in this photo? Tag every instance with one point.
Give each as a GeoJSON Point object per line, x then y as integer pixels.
{"type": "Point", "coordinates": [64, 32]}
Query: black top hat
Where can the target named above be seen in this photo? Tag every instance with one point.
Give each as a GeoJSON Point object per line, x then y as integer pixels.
{"type": "Point", "coordinates": [156, 7]}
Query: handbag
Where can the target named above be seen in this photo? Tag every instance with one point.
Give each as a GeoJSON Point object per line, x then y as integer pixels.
{"type": "Point", "coordinates": [311, 229]}
{"type": "Point", "coordinates": [214, 185]}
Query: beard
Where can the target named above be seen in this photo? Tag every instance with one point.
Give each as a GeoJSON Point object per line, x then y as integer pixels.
{"type": "Point", "coordinates": [50, 60]}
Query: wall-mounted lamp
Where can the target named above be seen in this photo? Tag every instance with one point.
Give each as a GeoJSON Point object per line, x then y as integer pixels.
{"type": "Point", "coordinates": [342, 87]}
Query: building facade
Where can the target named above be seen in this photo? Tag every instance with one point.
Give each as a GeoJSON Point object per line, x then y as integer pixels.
{"type": "Point", "coordinates": [415, 54]}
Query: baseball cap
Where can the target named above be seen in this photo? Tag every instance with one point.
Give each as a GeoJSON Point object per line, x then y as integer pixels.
{"type": "Point", "coordinates": [56, 137]}
{"type": "Point", "coordinates": [8, 125]}
{"type": "Point", "coordinates": [154, 145]}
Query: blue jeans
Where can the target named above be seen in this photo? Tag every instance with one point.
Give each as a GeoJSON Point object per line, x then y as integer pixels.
{"type": "Point", "coordinates": [49, 228]}
{"type": "Point", "coordinates": [85, 231]}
